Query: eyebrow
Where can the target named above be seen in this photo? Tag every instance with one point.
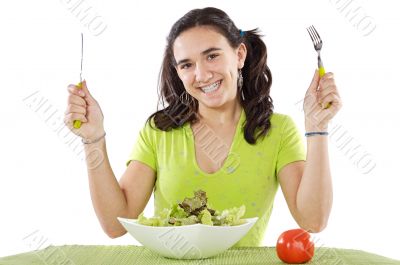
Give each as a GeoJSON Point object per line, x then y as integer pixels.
{"type": "Point", "coordinates": [203, 53]}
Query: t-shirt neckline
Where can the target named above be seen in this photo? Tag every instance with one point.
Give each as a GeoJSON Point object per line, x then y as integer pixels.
{"type": "Point", "coordinates": [232, 155]}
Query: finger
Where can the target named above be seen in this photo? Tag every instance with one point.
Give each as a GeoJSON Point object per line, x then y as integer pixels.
{"type": "Point", "coordinates": [314, 83]}
{"type": "Point", "coordinates": [77, 100]}
{"type": "Point", "coordinates": [71, 117]}
{"type": "Point", "coordinates": [88, 96]}
{"type": "Point", "coordinates": [333, 99]}
{"type": "Point", "coordinates": [70, 125]}
{"type": "Point", "coordinates": [338, 102]}
{"type": "Point", "coordinates": [327, 82]}
{"type": "Point", "coordinates": [71, 108]}
{"type": "Point", "coordinates": [330, 114]}
{"type": "Point", "coordinates": [327, 76]}
{"type": "Point", "coordinates": [322, 93]}
{"type": "Point", "coordinates": [73, 89]}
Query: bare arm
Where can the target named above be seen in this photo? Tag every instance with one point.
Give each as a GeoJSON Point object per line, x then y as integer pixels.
{"type": "Point", "coordinates": [307, 186]}
{"type": "Point", "coordinates": [112, 199]}
{"type": "Point", "coordinates": [315, 195]}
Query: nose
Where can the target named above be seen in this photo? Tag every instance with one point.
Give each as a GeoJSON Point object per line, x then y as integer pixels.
{"type": "Point", "coordinates": [203, 75]}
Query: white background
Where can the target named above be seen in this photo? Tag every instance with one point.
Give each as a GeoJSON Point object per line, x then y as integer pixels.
{"type": "Point", "coordinates": [44, 190]}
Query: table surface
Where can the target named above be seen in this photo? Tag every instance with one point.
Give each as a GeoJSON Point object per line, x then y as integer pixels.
{"type": "Point", "coordinates": [86, 254]}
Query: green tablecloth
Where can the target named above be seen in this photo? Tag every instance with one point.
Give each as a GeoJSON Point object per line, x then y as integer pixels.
{"type": "Point", "coordinates": [96, 255]}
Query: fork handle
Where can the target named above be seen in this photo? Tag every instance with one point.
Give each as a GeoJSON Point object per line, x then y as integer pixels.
{"type": "Point", "coordinates": [321, 71]}
{"type": "Point", "coordinates": [320, 66]}
{"type": "Point", "coordinates": [77, 123]}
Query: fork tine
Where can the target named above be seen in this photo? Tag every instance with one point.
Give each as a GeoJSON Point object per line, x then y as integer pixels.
{"type": "Point", "coordinates": [314, 38]}
{"type": "Point", "coordinates": [314, 35]}
{"type": "Point", "coordinates": [317, 41]}
{"type": "Point", "coordinates": [317, 38]}
{"type": "Point", "coordinates": [316, 32]}
{"type": "Point", "coordinates": [311, 36]}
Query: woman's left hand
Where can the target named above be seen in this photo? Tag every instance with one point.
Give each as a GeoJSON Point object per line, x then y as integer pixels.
{"type": "Point", "coordinates": [321, 105]}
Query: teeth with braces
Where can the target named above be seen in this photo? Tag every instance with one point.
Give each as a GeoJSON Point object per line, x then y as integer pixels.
{"type": "Point", "coordinates": [211, 87]}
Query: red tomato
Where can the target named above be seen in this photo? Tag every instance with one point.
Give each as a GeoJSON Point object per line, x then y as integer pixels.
{"type": "Point", "coordinates": [295, 246]}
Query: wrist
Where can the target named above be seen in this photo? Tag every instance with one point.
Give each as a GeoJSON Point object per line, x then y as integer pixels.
{"type": "Point", "coordinates": [95, 139]}
{"type": "Point", "coordinates": [311, 127]}
{"type": "Point", "coordinates": [310, 134]}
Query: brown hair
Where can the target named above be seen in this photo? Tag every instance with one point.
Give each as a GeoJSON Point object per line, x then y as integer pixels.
{"type": "Point", "coordinates": [257, 79]}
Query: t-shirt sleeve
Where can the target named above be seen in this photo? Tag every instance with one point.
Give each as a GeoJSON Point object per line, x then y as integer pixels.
{"type": "Point", "coordinates": [291, 146]}
{"type": "Point", "coordinates": [144, 148]}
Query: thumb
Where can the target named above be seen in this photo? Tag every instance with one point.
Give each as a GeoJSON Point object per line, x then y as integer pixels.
{"type": "Point", "coordinates": [88, 97]}
{"type": "Point", "coordinates": [314, 82]}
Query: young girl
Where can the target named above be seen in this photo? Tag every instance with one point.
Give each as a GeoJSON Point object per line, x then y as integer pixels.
{"type": "Point", "coordinates": [218, 133]}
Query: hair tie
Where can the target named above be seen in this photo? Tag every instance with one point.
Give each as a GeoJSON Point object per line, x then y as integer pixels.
{"type": "Point", "coordinates": [241, 33]}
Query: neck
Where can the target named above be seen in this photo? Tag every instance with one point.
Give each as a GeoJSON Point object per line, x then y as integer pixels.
{"type": "Point", "coordinates": [224, 116]}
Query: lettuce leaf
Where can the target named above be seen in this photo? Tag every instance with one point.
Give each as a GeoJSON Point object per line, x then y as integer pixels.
{"type": "Point", "coordinates": [193, 211]}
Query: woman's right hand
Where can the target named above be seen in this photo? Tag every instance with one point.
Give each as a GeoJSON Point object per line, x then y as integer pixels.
{"type": "Point", "coordinates": [82, 106]}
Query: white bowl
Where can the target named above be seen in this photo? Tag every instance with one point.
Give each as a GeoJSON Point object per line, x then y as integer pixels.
{"type": "Point", "coordinates": [189, 241]}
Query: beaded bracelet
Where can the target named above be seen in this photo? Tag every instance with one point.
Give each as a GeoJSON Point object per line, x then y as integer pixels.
{"type": "Point", "coordinates": [315, 133]}
{"type": "Point", "coordinates": [85, 141]}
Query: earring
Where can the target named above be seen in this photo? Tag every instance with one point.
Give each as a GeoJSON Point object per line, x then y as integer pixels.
{"type": "Point", "coordinates": [240, 82]}
{"type": "Point", "coordinates": [185, 98]}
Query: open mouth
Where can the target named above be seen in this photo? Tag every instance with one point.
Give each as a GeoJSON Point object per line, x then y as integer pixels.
{"type": "Point", "coordinates": [211, 88]}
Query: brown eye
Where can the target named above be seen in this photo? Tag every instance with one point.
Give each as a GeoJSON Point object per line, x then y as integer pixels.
{"type": "Point", "coordinates": [185, 66]}
{"type": "Point", "coordinates": [213, 56]}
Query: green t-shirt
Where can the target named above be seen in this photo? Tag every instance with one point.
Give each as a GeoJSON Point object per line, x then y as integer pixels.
{"type": "Point", "coordinates": [248, 176]}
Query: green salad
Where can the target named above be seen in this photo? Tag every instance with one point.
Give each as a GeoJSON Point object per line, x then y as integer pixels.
{"type": "Point", "coordinates": [195, 211]}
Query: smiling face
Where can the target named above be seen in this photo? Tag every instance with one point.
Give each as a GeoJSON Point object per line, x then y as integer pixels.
{"type": "Point", "coordinates": [208, 66]}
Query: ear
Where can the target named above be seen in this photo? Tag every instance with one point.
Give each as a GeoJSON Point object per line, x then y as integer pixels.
{"type": "Point", "coordinates": [241, 53]}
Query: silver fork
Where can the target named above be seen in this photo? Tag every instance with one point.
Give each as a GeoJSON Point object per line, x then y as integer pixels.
{"type": "Point", "coordinates": [78, 123]}
{"type": "Point", "coordinates": [317, 41]}
{"type": "Point", "coordinates": [80, 74]}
